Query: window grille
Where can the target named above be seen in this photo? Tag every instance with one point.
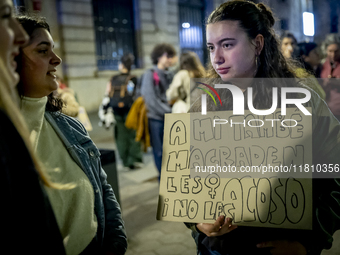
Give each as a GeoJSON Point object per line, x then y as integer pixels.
{"type": "Point", "coordinates": [19, 4]}
{"type": "Point", "coordinates": [114, 30]}
{"type": "Point", "coordinates": [191, 27]}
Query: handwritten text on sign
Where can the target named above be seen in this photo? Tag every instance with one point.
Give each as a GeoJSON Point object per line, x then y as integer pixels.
{"type": "Point", "coordinates": [192, 191]}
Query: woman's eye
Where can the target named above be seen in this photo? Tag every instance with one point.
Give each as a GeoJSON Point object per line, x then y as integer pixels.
{"type": "Point", "coordinates": [43, 51]}
{"type": "Point", "coordinates": [6, 16]}
{"type": "Point", "coordinates": [226, 45]}
{"type": "Point", "coordinates": [210, 48]}
{"type": "Point", "coordinates": [7, 13]}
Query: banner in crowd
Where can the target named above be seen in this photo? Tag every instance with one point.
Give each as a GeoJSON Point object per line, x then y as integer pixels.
{"type": "Point", "coordinates": [249, 168]}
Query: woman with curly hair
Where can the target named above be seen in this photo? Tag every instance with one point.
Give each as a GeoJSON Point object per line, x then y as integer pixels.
{"type": "Point", "coordinates": [88, 216]}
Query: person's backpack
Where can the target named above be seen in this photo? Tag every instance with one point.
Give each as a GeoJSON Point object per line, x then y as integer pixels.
{"type": "Point", "coordinates": [122, 92]}
{"type": "Point", "coordinates": [138, 92]}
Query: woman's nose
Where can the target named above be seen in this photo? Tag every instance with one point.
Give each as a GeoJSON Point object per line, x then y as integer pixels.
{"type": "Point", "coordinates": [290, 48]}
{"type": "Point", "coordinates": [20, 35]}
{"type": "Point", "coordinates": [56, 60]}
{"type": "Point", "coordinates": [218, 57]}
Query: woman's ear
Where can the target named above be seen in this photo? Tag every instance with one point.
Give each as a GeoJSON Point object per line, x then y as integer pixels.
{"type": "Point", "coordinates": [259, 42]}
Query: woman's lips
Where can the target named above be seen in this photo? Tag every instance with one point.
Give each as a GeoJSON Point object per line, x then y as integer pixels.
{"type": "Point", "coordinates": [14, 64]}
{"type": "Point", "coordinates": [223, 70]}
{"type": "Point", "coordinates": [52, 75]}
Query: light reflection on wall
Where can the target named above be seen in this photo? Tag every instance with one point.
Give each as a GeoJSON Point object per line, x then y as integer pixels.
{"type": "Point", "coordinates": [308, 23]}
{"type": "Point", "coordinates": [190, 37]}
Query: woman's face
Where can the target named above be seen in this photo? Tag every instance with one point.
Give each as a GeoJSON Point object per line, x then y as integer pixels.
{"type": "Point", "coordinates": [39, 64]}
{"type": "Point", "coordinates": [333, 52]}
{"type": "Point", "coordinates": [313, 58]}
{"type": "Point", "coordinates": [12, 36]}
{"type": "Point", "coordinates": [287, 47]}
{"type": "Point", "coordinates": [232, 54]}
{"type": "Point", "coordinates": [164, 62]}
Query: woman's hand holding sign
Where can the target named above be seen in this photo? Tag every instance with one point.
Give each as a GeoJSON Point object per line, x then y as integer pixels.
{"type": "Point", "coordinates": [220, 227]}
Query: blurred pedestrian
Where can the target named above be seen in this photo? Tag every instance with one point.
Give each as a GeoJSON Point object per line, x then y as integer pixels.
{"type": "Point", "coordinates": [288, 44]}
{"type": "Point", "coordinates": [307, 54]}
{"type": "Point", "coordinates": [331, 73]}
{"type": "Point", "coordinates": [71, 107]}
{"type": "Point", "coordinates": [121, 90]}
{"type": "Point", "coordinates": [28, 221]}
{"type": "Point", "coordinates": [331, 67]}
{"type": "Point", "coordinates": [155, 82]}
{"type": "Point", "coordinates": [88, 216]}
{"type": "Point", "coordinates": [179, 91]}
{"type": "Point", "coordinates": [249, 49]}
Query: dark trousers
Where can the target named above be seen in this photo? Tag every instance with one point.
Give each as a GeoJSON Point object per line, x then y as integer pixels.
{"type": "Point", "coordinates": [156, 130]}
{"type": "Point", "coordinates": [129, 150]}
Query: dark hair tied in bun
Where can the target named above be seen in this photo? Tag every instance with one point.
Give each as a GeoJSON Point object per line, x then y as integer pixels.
{"type": "Point", "coordinates": [267, 14]}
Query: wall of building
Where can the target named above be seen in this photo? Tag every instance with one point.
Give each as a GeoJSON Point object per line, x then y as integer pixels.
{"type": "Point", "coordinates": [78, 44]}
{"type": "Point", "coordinates": [156, 25]}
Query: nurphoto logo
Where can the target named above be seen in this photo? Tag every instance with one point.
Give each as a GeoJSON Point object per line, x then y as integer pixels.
{"type": "Point", "coordinates": [238, 99]}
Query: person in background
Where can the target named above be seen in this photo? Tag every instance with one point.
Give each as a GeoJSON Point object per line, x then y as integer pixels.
{"type": "Point", "coordinates": [154, 84]}
{"type": "Point", "coordinates": [331, 47]}
{"type": "Point", "coordinates": [288, 43]}
{"type": "Point", "coordinates": [88, 216]}
{"type": "Point", "coordinates": [67, 94]}
{"type": "Point", "coordinates": [307, 54]}
{"type": "Point", "coordinates": [249, 50]}
{"type": "Point", "coordinates": [28, 224]}
{"type": "Point", "coordinates": [180, 90]}
{"type": "Point", "coordinates": [121, 91]}
{"type": "Point", "coordinates": [331, 73]}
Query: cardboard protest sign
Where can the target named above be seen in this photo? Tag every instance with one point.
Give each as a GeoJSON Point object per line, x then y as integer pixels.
{"type": "Point", "coordinates": [249, 168]}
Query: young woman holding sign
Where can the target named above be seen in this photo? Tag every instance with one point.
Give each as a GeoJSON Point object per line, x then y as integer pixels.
{"type": "Point", "coordinates": [242, 44]}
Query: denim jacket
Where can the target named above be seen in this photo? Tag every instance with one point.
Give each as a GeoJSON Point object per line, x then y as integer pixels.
{"type": "Point", "coordinates": [111, 235]}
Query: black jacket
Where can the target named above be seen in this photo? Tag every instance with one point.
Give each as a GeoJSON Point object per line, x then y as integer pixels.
{"type": "Point", "coordinates": [27, 219]}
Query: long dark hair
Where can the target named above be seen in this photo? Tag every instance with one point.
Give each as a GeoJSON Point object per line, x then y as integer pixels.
{"type": "Point", "coordinates": [254, 19]}
{"type": "Point", "coordinates": [30, 24]}
{"type": "Point", "coordinates": [190, 62]}
{"type": "Point", "coordinates": [287, 34]}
